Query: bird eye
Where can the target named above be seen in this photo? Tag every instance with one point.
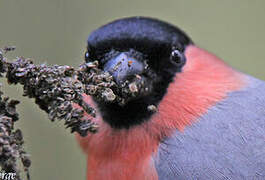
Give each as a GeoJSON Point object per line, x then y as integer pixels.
{"type": "Point", "coordinates": [87, 56]}
{"type": "Point", "coordinates": [177, 57]}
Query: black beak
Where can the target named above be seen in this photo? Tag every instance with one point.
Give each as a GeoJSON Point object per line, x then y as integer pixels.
{"type": "Point", "coordinates": [123, 66]}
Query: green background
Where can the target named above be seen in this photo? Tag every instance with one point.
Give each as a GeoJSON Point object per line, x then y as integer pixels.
{"type": "Point", "coordinates": [55, 31]}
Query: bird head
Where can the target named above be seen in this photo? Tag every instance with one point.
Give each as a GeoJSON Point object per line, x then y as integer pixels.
{"type": "Point", "coordinates": [143, 52]}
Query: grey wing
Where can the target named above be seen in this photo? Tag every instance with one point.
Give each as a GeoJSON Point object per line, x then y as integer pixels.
{"type": "Point", "coordinates": [228, 142]}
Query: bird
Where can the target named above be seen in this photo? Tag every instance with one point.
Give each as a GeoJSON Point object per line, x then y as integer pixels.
{"type": "Point", "coordinates": [201, 119]}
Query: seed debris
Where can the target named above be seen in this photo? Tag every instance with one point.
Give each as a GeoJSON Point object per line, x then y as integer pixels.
{"type": "Point", "coordinates": [55, 88]}
{"type": "Point", "coordinates": [11, 139]}
{"type": "Point", "coordinates": [152, 108]}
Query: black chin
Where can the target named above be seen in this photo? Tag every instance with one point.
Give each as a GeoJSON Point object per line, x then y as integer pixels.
{"type": "Point", "coordinates": [132, 113]}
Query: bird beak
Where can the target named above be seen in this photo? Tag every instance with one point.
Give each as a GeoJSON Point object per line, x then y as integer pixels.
{"type": "Point", "coordinates": [122, 67]}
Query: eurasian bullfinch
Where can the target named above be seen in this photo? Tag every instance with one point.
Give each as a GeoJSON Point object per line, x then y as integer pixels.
{"type": "Point", "coordinates": [201, 119]}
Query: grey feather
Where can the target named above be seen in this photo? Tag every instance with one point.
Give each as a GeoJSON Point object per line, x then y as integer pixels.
{"type": "Point", "coordinates": [228, 142]}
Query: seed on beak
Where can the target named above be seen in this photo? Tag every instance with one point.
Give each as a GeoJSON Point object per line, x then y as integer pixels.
{"type": "Point", "coordinates": [138, 76]}
{"type": "Point", "coordinates": [133, 87]}
{"type": "Point", "coordinates": [108, 95]}
{"type": "Point", "coordinates": [152, 108]}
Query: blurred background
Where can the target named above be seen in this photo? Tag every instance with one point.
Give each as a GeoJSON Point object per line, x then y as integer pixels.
{"type": "Point", "coordinates": [55, 31]}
